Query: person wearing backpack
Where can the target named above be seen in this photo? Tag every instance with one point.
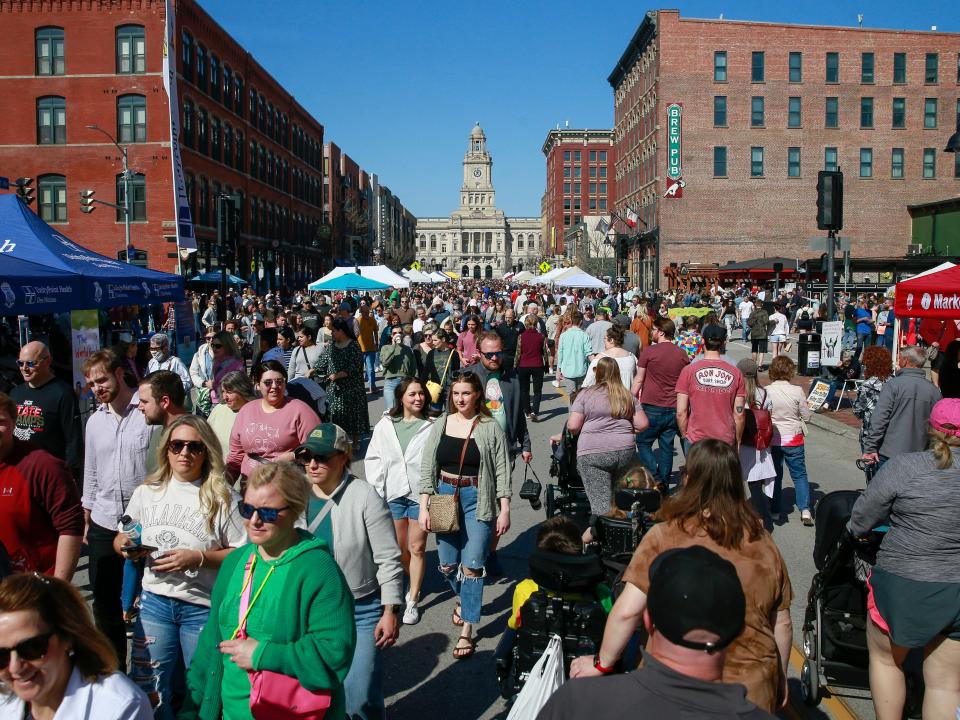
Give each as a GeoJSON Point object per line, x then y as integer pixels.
{"type": "Point", "coordinates": [759, 319]}
{"type": "Point", "coordinates": [756, 460]}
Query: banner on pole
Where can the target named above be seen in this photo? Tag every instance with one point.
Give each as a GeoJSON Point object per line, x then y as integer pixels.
{"type": "Point", "coordinates": [674, 182]}
{"type": "Point", "coordinates": [186, 240]}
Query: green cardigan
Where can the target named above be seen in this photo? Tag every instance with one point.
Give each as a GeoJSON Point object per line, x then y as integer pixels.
{"type": "Point", "coordinates": [494, 479]}
{"type": "Point", "coordinates": [313, 633]}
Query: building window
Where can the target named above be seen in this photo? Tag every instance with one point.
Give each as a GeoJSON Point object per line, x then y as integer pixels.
{"type": "Point", "coordinates": [566, 220]}
{"type": "Point", "coordinates": [793, 162]}
{"type": "Point", "coordinates": [931, 69]}
{"type": "Point", "coordinates": [215, 139]}
{"type": "Point", "coordinates": [593, 156]}
{"type": "Point", "coordinates": [203, 203]}
{"type": "Point", "coordinates": [830, 158]}
{"type": "Point", "coordinates": [899, 113]}
{"type": "Point", "coordinates": [227, 144]}
{"type": "Point", "coordinates": [793, 112]}
{"type": "Point", "coordinates": [930, 112]}
{"type": "Point", "coordinates": [576, 171]}
{"type": "Point", "coordinates": [132, 118]}
{"type": "Point", "coordinates": [929, 163]}
{"type": "Point", "coordinates": [756, 162]}
{"type": "Point", "coordinates": [831, 113]}
{"type": "Point", "coordinates": [896, 163]}
{"type": "Point", "coordinates": [603, 171]}
{"type": "Point", "coordinates": [51, 121]}
{"type": "Point", "coordinates": [756, 111]}
{"type": "Point", "coordinates": [796, 67]}
{"type": "Point", "coordinates": [593, 172]}
{"type": "Point", "coordinates": [866, 162]}
{"type": "Point", "coordinates": [238, 159]}
{"type": "Point", "coordinates": [227, 87]}
{"type": "Point", "coordinates": [866, 67]}
{"type": "Point", "coordinates": [238, 95]}
{"type": "Point", "coordinates": [131, 50]}
{"type": "Point", "coordinates": [186, 55]}
{"type": "Point", "coordinates": [566, 156]}
{"type": "Point", "coordinates": [603, 153]}
{"type": "Point", "coordinates": [720, 111]}
{"type": "Point", "coordinates": [576, 156]}
{"type": "Point", "coordinates": [720, 66]}
{"type": "Point", "coordinates": [138, 197]}
{"type": "Point", "coordinates": [603, 188]}
{"type": "Point", "coordinates": [566, 188]}
{"type": "Point", "coordinates": [593, 188]}
{"type": "Point", "coordinates": [202, 131]}
{"type": "Point", "coordinates": [720, 161]}
{"type": "Point", "coordinates": [833, 67]}
{"type": "Point", "coordinates": [576, 188]}
{"type": "Point", "coordinates": [756, 67]}
{"type": "Point", "coordinates": [201, 67]}
{"type": "Point", "coordinates": [603, 203]}
{"type": "Point", "coordinates": [214, 77]}
{"type": "Point", "coordinates": [52, 194]}
{"type": "Point", "coordinates": [187, 134]}
{"type": "Point", "coordinates": [50, 56]}
{"type": "Point", "coordinates": [866, 112]}
{"type": "Point", "coordinates": [899, 68]}
{"type": "Point", "coordinates": [956, 165]}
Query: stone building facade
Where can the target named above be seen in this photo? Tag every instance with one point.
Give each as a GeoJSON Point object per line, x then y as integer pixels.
{"type": "Point", "coordinates": [478, 240]}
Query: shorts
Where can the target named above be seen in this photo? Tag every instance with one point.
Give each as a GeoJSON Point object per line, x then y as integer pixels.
{"type": "Point", "coordinates": [778, 338]}
{"type": "Point", "coordinates": [914, 611]}
{"type": "Point", "coordinates": [404, 508]}
{"type": "Point", "coordinates": [758, 346]}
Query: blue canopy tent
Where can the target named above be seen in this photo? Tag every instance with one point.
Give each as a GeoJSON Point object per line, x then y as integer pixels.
{"type": "Point", "coordinates": [348, 281]}
{"type": "Point", "coordinates": [42, 271]}
{"type": "Point", "coordinates": [213, 276]}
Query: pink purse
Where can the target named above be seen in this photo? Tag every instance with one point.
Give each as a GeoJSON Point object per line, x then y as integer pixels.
{"type": "Point", "coordinates": [273, 695]}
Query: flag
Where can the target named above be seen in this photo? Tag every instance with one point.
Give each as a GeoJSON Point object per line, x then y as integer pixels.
{"type": "Point", "coordinates": [603, 227]}
{"type": "Point", "coordinates": [631, 218]}
{"type": "Point", "coordinates": [186, 240]}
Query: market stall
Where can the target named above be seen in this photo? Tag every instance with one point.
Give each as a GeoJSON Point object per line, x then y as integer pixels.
{"type": "Point", "coordinates": [380, 273]}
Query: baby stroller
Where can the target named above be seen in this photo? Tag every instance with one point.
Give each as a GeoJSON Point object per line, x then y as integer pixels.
{"type": "Point", "coordinates": [578, 622]}
{"type": "Point", "coordinates": [835, 621]}
{"type": "Point", "coordinates": [567, 496]}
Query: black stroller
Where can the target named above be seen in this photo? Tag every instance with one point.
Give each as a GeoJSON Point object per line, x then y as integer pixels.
{"type": "Point", "coordinates": [567, 496]}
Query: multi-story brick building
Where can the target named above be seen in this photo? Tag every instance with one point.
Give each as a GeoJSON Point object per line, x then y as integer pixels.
{"type": "Point", "coordinates": [746, 113]}
{"type": "Point", "coordinates": [580, 181]}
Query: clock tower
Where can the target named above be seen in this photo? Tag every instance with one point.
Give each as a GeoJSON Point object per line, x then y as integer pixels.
{"type": "Point", "coordinates": [477, 195]}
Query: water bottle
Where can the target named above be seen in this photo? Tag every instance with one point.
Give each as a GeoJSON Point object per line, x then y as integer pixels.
{"type": "Point", "coordinates": [131, 528]}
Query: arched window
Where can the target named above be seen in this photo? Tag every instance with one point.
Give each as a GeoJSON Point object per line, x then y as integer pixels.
{"type": "Point", "coordinates": [52, 198]}
{"type": "Point", "coordinates": [187, 133]}
{"type": "Point", "coordinates": [202, 131]}
{"type": "Point", "coordinates": [214, 77]}
{"type": "Point", "coordinates": [50, 54]}
{"type": "Point", "coordinates": [215, 139]}
{"type": "Point", "coordinates": [131, 50]}
{"type": "Point", "coordinates": [476, 272]}
{"type": "Point", "coordinates": [201, 67]}
{"type": "Point", "coordinates": [488, 272]}
{"type": "Point", "coordinates": [51, 120]}
{"type": "Point", "coordinates": [186, 56]}
{"type": "Point", "coordinates": [465, 271]}
{"type": "Point", "coordinates": [132, 118]}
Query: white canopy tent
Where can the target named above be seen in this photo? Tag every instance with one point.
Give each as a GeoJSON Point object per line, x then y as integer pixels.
{"type": "Point", "coordinates": [416, 276]}
{"type": "Point", "coordinates": [380, 273]}
{"type": "Point", "coordinates": [553, 275]}
{"type": "Point", "coordinates": [581, 280]}
{"type": "Point", "coordinates": [439, 277]}
{"type": "Point", "coordinates": [522, 276]}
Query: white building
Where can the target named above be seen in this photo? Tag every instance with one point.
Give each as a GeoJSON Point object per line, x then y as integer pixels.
{"type": "Point", "coordinates": [478, 240]}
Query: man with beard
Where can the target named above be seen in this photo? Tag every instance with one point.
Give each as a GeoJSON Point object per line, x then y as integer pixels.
{"type": "Point", "coordinates": [161, 399]}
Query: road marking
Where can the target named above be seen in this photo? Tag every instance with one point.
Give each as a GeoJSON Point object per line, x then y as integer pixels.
{"type": "Point", "coordinates": [835, 705]}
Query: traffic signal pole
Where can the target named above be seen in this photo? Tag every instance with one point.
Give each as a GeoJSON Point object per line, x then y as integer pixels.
{"type": "Point", "coordinates": [831, 269]}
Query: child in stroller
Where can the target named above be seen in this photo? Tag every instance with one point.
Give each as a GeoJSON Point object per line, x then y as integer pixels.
{"type": "Point", "coordinates": [562, 596]}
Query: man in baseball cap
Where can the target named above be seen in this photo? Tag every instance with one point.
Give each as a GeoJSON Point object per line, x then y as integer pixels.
{"type": "Point", "coordinates": [695, 609]}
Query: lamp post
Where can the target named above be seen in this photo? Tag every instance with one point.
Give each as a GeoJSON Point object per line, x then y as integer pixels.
{"type": "Point", "coordinates": [126, 190]}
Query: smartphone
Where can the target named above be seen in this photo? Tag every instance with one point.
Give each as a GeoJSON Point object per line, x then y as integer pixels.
{"type": "Point", "coordinates": [145, 549]}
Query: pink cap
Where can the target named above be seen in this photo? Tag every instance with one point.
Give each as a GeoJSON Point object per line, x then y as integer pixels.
{"type": "Point", "coordinates": [946, 412]}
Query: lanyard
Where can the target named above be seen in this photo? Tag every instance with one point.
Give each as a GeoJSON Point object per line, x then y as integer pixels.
{"type": "Point", "coordinates": [251, 563]}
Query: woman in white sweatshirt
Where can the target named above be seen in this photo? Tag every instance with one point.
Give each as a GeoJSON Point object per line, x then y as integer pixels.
{"type": "Point", "coordinates": [392, 466]}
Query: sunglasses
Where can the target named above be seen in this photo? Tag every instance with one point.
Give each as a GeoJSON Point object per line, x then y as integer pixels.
{"type": "Point", "coordinates": [270, 382]}
{"type": "Point", "coordinates": [216, 346]}
{"type": "Point", "coordinates": [194, 447]}
{"type": "Point", "coordinates": [30, 364]}
{"type": "Point", "coordinates": [267, 515]}
{"type": "Point", "coordinates": [30, 649]}
{"type": "Point", "coordinates": [463, 375]}
{"type": "Point", "coordinates": [305, 457]}
{"type": "Point", "coordinates": [493, 355]}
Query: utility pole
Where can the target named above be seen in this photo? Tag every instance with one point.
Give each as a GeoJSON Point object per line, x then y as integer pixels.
{"type": "Point", "coordinates": [126, 208]}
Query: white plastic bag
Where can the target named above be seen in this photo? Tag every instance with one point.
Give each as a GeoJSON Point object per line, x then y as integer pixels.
{"type": "Point", "coordinates": [545, 677]}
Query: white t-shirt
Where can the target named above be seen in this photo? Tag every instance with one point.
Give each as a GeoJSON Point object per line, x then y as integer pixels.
{"type": "Point", "coordinates": [746, 310]}
{"type": "Point", "coordinates": [171, 519]}
{"type": "Point", "coordinates": [780, 325]}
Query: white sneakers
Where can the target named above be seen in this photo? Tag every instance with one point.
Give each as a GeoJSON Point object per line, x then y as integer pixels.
{"type": "Point", "coordinates": [411, 614]}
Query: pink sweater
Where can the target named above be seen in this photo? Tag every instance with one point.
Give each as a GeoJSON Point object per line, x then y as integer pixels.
{"type": "Point", "coordinates": [268, 434]}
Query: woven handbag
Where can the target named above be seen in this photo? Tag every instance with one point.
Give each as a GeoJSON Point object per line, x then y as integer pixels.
{"type": "Point", "coordinates": [445, 509]}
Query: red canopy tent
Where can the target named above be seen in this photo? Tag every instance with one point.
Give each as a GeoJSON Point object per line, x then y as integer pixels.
{"type": "Point", "coordinates": [934, 295]}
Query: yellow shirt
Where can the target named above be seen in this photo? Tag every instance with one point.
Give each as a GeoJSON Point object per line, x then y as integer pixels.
{"type": "Point", "coordinates": [368, 333]}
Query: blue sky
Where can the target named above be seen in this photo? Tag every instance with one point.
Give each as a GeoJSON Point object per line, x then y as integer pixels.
{"type": "Point", "coordinates": [398, 85]}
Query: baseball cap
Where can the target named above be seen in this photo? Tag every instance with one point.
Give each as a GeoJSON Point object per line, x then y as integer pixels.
{"type": "Point", "coordinates": [693, 588]}
{"type": "Point", "coordinates": [946, 412]}
{"type": "Point", "coordinates": [714, 332]}
{"type": "Point", "coordinates": [326, 439]}
{"type": "Point", "coordinates": [345, 307]}
{"type": "Point", "coordinates": [748, 367]}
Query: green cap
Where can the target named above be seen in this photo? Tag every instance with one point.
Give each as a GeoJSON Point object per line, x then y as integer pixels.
{"type": "Point", "coordinates": [326, 439]}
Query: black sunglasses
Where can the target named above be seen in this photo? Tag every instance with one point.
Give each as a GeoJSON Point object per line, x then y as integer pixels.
{"type": "Point", "coordinates": [463, 375]}
{"type": "Point", "coordinates": [493, 355]}
{"type": "Point", "coordinates": [30, 649]}
{"type": "Point", "coordinates": [31, 364]}
{"type": "Point", "coordinates": [194, 447]}
{"type": "Point", "coordinates": [305, 457]}
{"type": "Point", "coordinates": [267, 515]}
{"type": "Point", "coordinates": [216, 345]}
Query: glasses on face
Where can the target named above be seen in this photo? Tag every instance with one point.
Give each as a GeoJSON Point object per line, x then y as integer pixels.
{"type": "Point", "coordinates": [30, 649]}
{"type": "Point", "coordinates": [463, 375]}
{"type": "Point", "coordinates": [427, 336]}
{"type": "Point", "coordinates": [194, 447]}
{"type": "Point", "coordinates": [270, 382]}
{"type": "Point", "coordinates": [267, 514]}
{"type": "Point", "coordinates": [495, 355]}
{"type": "Point", "coordinates": [305, 457]}
{"type": "Point", "coordinates": [29, 364]}
{"type": "Point", "coordinates": [216, 345]}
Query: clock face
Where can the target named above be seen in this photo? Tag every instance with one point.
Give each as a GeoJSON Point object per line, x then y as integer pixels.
{"type": "Point", "coordinates": [477, 172]}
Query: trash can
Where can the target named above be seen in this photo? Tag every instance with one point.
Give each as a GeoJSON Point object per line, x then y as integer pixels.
{"type": "Point", "coordinates": [808, 354]}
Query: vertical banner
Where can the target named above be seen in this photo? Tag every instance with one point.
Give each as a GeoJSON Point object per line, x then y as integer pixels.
{"type": "Point", "coordinates": [830, 344]}
{"type": "Point", "coordinates": [186, 332]}
{"type": "Point", "coordinates": [85, 334]}
{"type": "Point", "coordinates": [674, 183]}
{"type": "Point", "coordinates": [186, 241]}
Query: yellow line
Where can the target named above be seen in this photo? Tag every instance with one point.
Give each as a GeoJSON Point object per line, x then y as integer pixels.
{"type": "Point", "coordinates": [838, 709]}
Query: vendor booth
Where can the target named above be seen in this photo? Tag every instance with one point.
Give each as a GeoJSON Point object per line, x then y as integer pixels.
{"type": "Point", "coordinates": [380, 273]}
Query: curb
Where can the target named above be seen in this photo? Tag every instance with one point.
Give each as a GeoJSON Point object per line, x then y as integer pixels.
{"type": "Point", "coordinates": [834, 426]}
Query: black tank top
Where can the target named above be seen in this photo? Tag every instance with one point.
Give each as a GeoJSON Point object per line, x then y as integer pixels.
{"type": "Point", "coordinates": [448, 456]}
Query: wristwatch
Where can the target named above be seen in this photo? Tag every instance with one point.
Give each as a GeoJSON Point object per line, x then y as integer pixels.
{"type": "Point", "coordinates": [597, 666]}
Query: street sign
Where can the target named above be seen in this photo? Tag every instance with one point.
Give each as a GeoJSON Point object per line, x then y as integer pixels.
{"type": "Point", "coordinates": [4, 183]}
{"type": "Point", "coordinates": [545, 267]}
{"type": "Point", "coordinates": [415, 265]}
{"type": "Point", "coordinates": [819, 244]}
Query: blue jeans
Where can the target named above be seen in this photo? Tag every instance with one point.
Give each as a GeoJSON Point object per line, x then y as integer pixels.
{"type": "Point", "coordinates": [663, 428]}
{"type": "Point", "coordinates": [370, 364]}
{"type": "Point", "coordinates": [835, 385]}
{"type": "Point", "coordinates": [389, 388]}
{"type": "Point", "coordinates": [798, 473]}
{"type": "Point", "coordinates": [465, 549]}
{"type": "Point", "coordinates": [166, 633]}
{"type": "Point", "coordinates": [363, 685]}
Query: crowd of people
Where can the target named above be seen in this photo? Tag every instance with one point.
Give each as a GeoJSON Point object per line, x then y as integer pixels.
{"type": "Point", "coordinates": [238, 560]}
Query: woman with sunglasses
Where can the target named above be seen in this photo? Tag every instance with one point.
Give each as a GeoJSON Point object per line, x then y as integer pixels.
{"type": "Point", "coordinates": [440, 365]}
{"type": "Point", "coordinates": [424, 345]}
{"type": "Point", "coordinates": [466, 455]}
{"type": "Point", "coordinates": [392, 467]}
{"type": "Point", "coordinates": [340, 367]}
{"type": "Point", "coordinates": [298, 617]}
{"type": "Point", "coordinates": [54, 662]}
{"type": "Point", "coordinates": [272, 427]}
{"type": "Point", "coordinates": [189, 523]}
{"type": "Point", "coordinates": [354, 521]}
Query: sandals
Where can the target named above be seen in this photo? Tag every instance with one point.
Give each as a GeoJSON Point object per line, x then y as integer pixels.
{"type": "Point", "coordinates": [464, 648]}
{"type": "Point", "coordinates": [456, 619]}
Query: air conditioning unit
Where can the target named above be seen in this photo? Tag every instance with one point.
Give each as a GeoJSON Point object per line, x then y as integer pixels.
{"type": "Point", "coordinates": [914, 249]}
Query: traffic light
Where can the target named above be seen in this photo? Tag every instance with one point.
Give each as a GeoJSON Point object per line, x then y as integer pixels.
{"type": "Point", "coordinates": [25, 189]}
{"type": "Point", "coordinates": [830, 200]}
{"type": "Point", "coordinates": [86, 201]}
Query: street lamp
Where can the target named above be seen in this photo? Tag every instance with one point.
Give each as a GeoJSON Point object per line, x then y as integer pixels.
{"type": "Point", "coordinates": [126, 190]}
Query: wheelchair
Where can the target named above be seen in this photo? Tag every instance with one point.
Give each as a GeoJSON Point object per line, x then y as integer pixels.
{"type": "Point", "coordinates": [615, 539]}
{"type": "Point", "coordinates": [566, 496]}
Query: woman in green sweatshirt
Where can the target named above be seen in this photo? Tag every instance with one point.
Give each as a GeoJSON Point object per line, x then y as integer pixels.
{"type": "Point", "coordinates": [300, 620]}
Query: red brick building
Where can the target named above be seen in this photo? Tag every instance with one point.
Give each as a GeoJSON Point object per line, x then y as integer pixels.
{"type": "Point", "coordinates": [764, 107]}
{"type": "Point", "coordinates": [580, 182]}
{"type": "Point", "coordinates": [70, 65]}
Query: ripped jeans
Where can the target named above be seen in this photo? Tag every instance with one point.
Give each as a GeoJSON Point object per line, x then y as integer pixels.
{"type": "Point", "coordinates": [165, 637]}
{"type": "Point", "coordinates": [467, 548]}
